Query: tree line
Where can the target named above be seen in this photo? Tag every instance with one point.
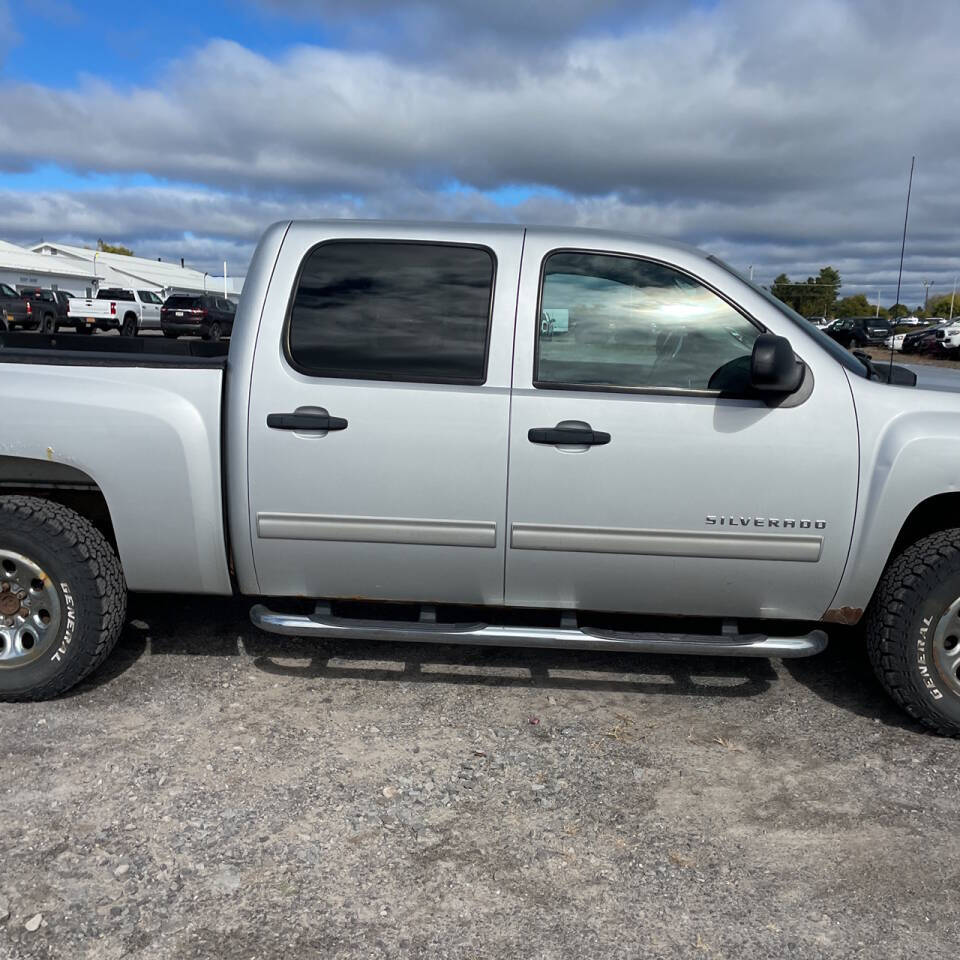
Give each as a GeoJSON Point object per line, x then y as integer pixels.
{"type": "Point", "coordinates": [817, 297]}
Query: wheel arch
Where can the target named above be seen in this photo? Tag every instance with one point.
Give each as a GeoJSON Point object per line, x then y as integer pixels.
{"type": "Point", "coordinates": [60, 483]}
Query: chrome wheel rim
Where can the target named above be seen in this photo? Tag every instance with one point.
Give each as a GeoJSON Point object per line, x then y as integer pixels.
{"type": "Point", "coordinates": [30, 611]}
{"type": "Point", "coordinates": [946, 647]}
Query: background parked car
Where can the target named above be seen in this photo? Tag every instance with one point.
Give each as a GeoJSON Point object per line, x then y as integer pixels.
{"type": "Point", "coordinates": [16, 311]}
{"type": "Point", "coordinates": [45, 301]}
{"type": "Point", "coordinates": [204, 314]}
{"type": "Point", "coordinates": [43, 308]}
{"type": "Point", "coordinates": [922, 341]}
{"type": "Point", "coordinates": [860, 331]}
{"type": "Point", "coordinates": [136, 309]}
{"type": "Point", "coordinates": [948, 339]}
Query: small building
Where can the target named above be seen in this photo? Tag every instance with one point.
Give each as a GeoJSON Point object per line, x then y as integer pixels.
{"type": "Point", "coordinates": [22, 269]}
{"type": "Point", "coordinates": [139, 273]}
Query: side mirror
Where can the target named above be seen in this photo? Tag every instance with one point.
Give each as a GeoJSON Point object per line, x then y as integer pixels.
{"type": "Point", "coordinates": [773, 366]}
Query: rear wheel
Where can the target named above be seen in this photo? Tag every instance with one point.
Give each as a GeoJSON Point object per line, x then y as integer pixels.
{"type": "Point", "coordinates": [62, 598]}
{"type": "Point", "coordinates": [213, 333]}
{"type": "Point", "coordinates": [129, 326]}
{"type": "Point", "coordinates": [913, 631]}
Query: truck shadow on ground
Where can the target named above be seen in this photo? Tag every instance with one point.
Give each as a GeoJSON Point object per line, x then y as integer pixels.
{"type": "Point", "coordinates": [204, 626]}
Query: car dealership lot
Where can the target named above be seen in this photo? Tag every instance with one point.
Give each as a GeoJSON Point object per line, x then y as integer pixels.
{"type": "Point", "coordinates": [215, 791]}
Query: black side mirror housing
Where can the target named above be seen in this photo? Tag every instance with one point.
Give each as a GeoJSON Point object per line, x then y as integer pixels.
{"type": "Point", "coordinates": [773, 366]}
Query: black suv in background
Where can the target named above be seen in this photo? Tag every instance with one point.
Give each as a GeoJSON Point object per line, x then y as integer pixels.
{"type": "Point", "coordinates": [200, 314]}
{"type": "Point", "coordinates": [860, 331]}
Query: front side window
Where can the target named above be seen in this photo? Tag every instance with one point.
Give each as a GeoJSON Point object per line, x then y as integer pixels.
{"type": "Point", "coordinates": [393, 311]}
{"type": "Point", "coordinates": [622, 322]}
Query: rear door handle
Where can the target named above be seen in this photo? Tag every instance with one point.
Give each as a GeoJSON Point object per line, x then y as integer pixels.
{"type": "Point", "coordinates": [305, 421]}
{"type": "Point", "coordinates": [580, 434]}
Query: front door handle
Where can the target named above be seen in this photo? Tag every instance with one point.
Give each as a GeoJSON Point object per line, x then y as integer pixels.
{"type": "Point", "coordinates": [571, 432]}
{"type": "Point", "coordinates": [305, 421]}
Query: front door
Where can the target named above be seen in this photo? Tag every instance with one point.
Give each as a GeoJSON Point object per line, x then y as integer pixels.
{"type": "Point", "coordinates": [378, 428]}
{"type": "Point", "coordinates": [636, 487]}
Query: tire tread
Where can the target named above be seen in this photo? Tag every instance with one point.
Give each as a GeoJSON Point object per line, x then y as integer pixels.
{"type": "Point", "coordinates": [899, 595]}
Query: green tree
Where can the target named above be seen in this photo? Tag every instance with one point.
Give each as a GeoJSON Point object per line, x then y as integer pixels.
{"type": "Point", "coordinates": [781, 289]}
{"type": "Point", "coordinates": [828, 283]}
{"type": "Point", "coordinates": [941, 306]}
{"type": "Point", "coordinates": [114, 248]}
{"type": "Point", "coordinates": [856, 306]}
{"type": "Point", "coordinates": [899, 310]}
{"type": "Point", "coordinates": [816, 296]}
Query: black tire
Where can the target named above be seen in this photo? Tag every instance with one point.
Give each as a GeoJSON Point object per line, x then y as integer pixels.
{"type": "Point", "coordinates": [213, 332]}
{"type": "Point", "coordinates": [87, 578]}
{"type": "Point", "coordinates": [48, 324]}
{"type": "Point", "coordinates": [129, 326]}
{"type": "Point", "coordinates": [908, 620]}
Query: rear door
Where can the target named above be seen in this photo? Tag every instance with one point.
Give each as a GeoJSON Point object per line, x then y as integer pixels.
{"type": "Point", "coordinates": [642, 478]}
{"type": "Point", "coordinates": [377, 453]}
{"type": "Point", "coordinates": [149, 309]}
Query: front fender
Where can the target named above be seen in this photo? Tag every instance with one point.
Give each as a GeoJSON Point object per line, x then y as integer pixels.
{"type": "Point", "coordinates": [906, 457]}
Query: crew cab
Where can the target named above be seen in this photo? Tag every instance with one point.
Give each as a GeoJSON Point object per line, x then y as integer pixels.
{"type": "Point", "coordinates": [396, 438]}
{"type": "Point", "coordinates": [136, 309]}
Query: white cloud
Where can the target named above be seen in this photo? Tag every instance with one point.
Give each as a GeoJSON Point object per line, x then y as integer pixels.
{"type": "Point", "coordinates": [778, 134]}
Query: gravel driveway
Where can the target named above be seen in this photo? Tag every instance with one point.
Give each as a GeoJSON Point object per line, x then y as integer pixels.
{"type": "Point", "coordinates": [214, 792]}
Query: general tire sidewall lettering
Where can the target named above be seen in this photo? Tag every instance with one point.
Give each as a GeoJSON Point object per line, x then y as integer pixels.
{"type": "Point", "coordinates": [923, 627]}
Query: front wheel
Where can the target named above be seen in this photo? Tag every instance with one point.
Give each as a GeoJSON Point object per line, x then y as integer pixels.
{"type": "Point", "coordinates": [913, 631]}
{"type": "Point", "coordinates": [62, 598]}
{"type": "Point", "coordinates": [48, 324]}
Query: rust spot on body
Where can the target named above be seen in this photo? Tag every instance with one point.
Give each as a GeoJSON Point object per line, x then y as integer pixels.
{"type": "Point", "coordinates": [845, 615]}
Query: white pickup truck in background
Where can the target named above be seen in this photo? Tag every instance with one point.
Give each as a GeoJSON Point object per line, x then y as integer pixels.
{"type": "Point", "coordinates": [116, 308]}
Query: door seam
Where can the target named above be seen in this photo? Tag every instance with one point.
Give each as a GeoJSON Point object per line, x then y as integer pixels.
{"type": "Point", "coordinates": [513, 362]}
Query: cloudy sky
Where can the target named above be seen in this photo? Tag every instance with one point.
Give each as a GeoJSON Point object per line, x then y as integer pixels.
{"type": "Point", "coordinates": [776, 134]}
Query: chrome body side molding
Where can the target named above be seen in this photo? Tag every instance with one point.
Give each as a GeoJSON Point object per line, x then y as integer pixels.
{"type": "Point", "coordinates": [441, 533]}
{"type": "Point", "coordinates": [727, 545]}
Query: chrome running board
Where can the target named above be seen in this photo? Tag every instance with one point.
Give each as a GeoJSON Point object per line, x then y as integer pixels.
{"type": "Point", "coordinates": [322, 624]}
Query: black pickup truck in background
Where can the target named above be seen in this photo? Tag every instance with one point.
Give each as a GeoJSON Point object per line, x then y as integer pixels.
{"type": "Point", "coordinates": [33, 309]}
{"type": "Point", "coordinates": [50, 305]}
{"type": "Point", "coordinates": [16, 311]}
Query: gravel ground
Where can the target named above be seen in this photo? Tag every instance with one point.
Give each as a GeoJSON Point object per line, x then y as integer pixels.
{"type": "Point", "coordinates": [215, 792]}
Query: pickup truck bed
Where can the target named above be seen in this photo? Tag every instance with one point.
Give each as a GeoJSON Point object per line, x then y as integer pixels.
{"type": "Point", "coordinates": [64, 349]}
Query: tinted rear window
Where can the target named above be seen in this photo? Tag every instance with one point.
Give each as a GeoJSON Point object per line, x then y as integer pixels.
{"type": "Point", "coordinates": [184, 303]}
{"type": "Point", "coordinates": [393, 311]}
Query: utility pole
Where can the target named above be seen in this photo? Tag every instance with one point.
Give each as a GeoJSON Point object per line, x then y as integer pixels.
{"type": "Point", "coordinates": [750, 268]}
{"type": "Point", "coordinates": [927, 284]}
{"type": "Point", "coordinates": [878, 303]}
{"type": "Point", "coordinates": [953, 296]}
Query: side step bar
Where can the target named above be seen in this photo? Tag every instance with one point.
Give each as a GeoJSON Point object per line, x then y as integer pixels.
{"type": "Point", "coordinates": [322, 624]}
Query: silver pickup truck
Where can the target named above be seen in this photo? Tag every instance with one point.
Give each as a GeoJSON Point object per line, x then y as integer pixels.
{"type": "Point", "coordinates": [403, 443]}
